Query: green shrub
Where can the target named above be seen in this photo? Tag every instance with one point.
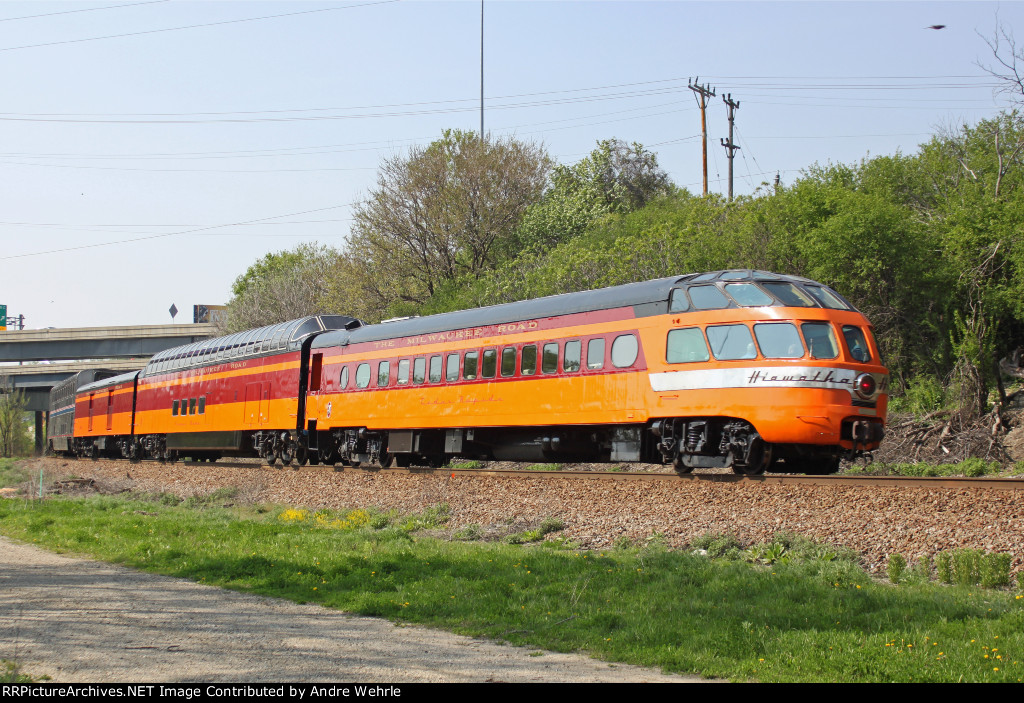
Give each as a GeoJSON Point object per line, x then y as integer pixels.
{"type": "Point", "coordinates": [923, 568]}
{"type": "Point", "coordinates": [896, 568]}
{"type": "Point", "coordinates": [434, 516]}
{"type": "Point", "coordinates": [967, 566]}
{"type": "Point", "coordinates": [995, 570]}
{"type": "Point", "coordinates": [944, 567]}
{"type": "Point", "coordinates": [716, 545]}
{"type": "Point", "coordinates": [923, 395]}
{"type": "Point", "coordinates": [551, 524]}
{"type": "Point", "coordinates": [469, 533]}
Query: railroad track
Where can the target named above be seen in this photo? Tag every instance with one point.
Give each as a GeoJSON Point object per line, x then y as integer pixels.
{"type": "Point", "coordinates": [1000, 484]}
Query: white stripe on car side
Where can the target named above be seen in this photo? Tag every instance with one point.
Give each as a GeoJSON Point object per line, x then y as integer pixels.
{"type": "Point", "coordinates": [760, 377]}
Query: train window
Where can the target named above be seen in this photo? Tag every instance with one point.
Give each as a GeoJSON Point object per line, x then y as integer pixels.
{"type": "Point", "coordinates": [856, 343]}
{"type": "Point", "coordinates": [435, 369]}
{"type": "Point", "coordinates": [469, 366]}
{"type": "Point", "coordinates": [362, 375]}
{"type": "Point", "coordinates": [678, 302]}
{"type": "Point", "coordinates": [383, 373]}
{"type": "Point", "coordinates": [731, 342]}
{"type": "Point", "coordinates": [305, 329]}
{"type": "Point", "coordinates": [708, 298]}
{"type": "Point", "coordinates": [174, 408]}
{"type": "Point", "coordinates": [508, 361]}
{"type": "Point", "coordinates": [571, 357]}
{"type": "Point", "coordinates": [706, 277]}
{"type": "Point", "coordinates": [748, 295]}
{"type": "Point", "coordinates": [279, 339]}
{"type": "Point", "coordinates": [343, 380]}
{"type": "Point", "coordinates": [403, 372]}
{"type": "Point", "coordinates": [595, 354]}
{"type": "Point", "coordinates": [789, 294]}
{"type": "Point", "coordinates": [779, 340]}
{"type": "Point", "coordinates": [191, 406]}
{"type": "Point", "coordinates": [451, 368]}
{"type": "Point", "coordinates": [624, 351]}
{"type": "Point", "coordinates": [686, 346]}
{"type": "Point", "coordinates": [528, 362]}
{"type": "Point", "coordinates": [549, 358]}
{"type": "Point", "coordinates": [734, 275]}
{"type": "Point", "coordinates": [202, 405]}
{"type": "Point", "coordinates": [419, 369]}
{"type": "Point", "coordinates": [821, 340]}
{"type": "Point", "coordinates": [489, 365]}
{"type": "Point", "coordinates": [827, 298]}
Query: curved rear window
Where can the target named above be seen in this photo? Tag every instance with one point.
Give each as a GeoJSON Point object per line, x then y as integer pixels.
{"type": "Point", "coordinates": [827, 298]}
{"type": "Point", "coordinates": [789, 294]}
{"type": "Point", "coordinates": [856, 343]}
{"type": "Point", "coordinates": [678, 303]}
{"type": "Point", "coordinates": [708, 298]}
{"type": "Point", "coordinates": [748, 295]}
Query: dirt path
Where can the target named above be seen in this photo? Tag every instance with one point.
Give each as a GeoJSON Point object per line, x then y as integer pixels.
{"type": "Point", "coordinates": [78, 620]}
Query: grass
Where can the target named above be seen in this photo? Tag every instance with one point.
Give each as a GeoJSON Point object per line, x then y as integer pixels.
{"type": "Point", "coordinates": [785, 611]}
{"type": "Point", "coordinates": [12, 472]}
{"type": "Point", "coordinates": [10, 672]}
{"type": "Point", "coordinates": [971, 468]}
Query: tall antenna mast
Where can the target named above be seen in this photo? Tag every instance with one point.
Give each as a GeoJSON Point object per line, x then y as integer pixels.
{"type": "Point", "coordinates": [481, 70]}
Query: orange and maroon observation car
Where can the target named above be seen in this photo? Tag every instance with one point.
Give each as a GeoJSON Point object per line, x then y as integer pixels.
{"type": "Point", "coordinates": [743, 369]}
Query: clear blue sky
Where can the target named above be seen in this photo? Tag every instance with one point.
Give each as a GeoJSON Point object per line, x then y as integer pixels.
{"type": "Point", "coordinates": [151, 151]}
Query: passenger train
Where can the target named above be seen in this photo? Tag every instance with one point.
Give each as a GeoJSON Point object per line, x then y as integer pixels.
{"type": "Point", "coordinates": [739, 369]}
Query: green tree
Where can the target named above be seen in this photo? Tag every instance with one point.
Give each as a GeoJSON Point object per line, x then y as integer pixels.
{"type": "Point", "coordinates": [308, 280]}
{"type": "Point", "coordinates": [443, 212]}
{"type": "Point", "coordinates": [614, 178]}
{"type": "Point", "coordinates": [13, 421]}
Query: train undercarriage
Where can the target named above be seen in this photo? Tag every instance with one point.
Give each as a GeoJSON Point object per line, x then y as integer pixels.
{"type": "Point", "coordinates": [685, 443]}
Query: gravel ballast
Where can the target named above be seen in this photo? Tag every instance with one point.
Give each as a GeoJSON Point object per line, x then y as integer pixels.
{"type": "Point", "coordinates": [875, 521]}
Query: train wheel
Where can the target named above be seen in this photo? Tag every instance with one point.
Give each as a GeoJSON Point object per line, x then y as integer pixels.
{"type": "Point", "coordinates": [760, 457]}
{"type": "Point", "coordinates": [300, 456]}
{"type": "Point", "coordinates": [681, 468]}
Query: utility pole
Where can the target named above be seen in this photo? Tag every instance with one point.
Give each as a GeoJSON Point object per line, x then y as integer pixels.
{"type": "Point", "coordinates": [702, 93]}
{"type": "Point", "coordinates": [730, 148]}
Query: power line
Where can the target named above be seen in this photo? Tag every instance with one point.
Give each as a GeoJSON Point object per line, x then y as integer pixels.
{"type": "Point", "coordinates": [197, 26]}
{"type": "Point", "coordinates": [85, 9]}
{"type": "Point", "coordinates": [173, 234]}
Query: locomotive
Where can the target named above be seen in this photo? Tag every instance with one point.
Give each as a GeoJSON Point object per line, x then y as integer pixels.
{"type": "Point", "coordinates": [739, 369]}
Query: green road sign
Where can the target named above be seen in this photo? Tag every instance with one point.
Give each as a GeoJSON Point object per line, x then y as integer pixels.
{"type": "Point", "coordinates": [3, 317]}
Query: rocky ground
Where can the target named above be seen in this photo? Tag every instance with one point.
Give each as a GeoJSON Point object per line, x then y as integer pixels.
{"type": "Point", "coordinates": [876, 521]}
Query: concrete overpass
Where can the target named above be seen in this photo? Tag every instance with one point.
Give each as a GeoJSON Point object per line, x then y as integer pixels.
{"type": "Point", "coordinates": [98, 342]}
{"type": "Point", "coordinates": [75, 349]}
{"type": "Point", "coordinates": [36, 379]}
